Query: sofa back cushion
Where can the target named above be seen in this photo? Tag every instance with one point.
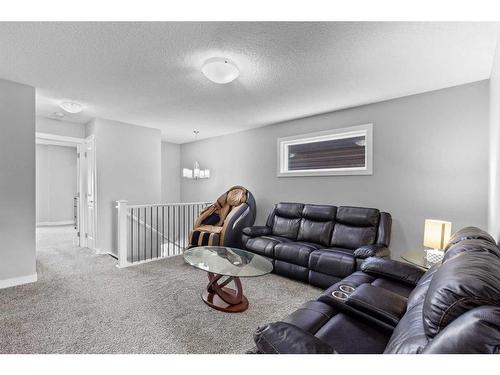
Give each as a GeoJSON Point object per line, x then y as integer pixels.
{"type": "Point", "coordinates": [355, 227]}
{"type": "Point", "coordinates": [466, 281]}
{"type": "Point", "coordinates": [286, 219]}
{"type": "Point", "coordinates": [469, 233]}
{"type": "Point", "coordinates": [317, 223]}
{"type": "Point", "coordinates": [472, 245]}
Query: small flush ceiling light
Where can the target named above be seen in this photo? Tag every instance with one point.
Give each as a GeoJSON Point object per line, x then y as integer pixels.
{"type": "Point", "coordinates": [71, 107]}
{"type": "Point", "coordinates": [220, 70]}
{"type": "Point", "coordinates": [59, 114]}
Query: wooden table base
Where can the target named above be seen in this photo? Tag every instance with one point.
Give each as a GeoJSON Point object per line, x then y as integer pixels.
{"type": "Point", "coordinates": [222, 298]}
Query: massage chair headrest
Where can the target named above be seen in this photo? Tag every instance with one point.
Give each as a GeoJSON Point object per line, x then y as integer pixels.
{"type": "Point", "coordinates": [462, 283]}
{"type": "Point", "coordinates": [233, 197]}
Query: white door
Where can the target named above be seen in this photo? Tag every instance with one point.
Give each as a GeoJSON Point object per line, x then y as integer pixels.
{"type": "Point", "coordinates": [90, 196]}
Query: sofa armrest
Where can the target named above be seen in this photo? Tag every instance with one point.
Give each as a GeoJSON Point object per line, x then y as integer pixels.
{"type": "Point", "coordinates": [284, 338]}
{"type": "Point", "coordinates": [367, 251]}
{"type": "Point", "coordinates": [392, 269]}
{"type": "Point", "coordinates": [257, 231]}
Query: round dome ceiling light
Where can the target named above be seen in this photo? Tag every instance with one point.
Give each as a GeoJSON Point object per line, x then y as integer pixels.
{"type": "Point", "coordinates": [220, 70]}
{"type": "Point", "coordinates": [71, 107]}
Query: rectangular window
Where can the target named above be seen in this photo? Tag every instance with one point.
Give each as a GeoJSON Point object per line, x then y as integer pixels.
{"type": "Point", "coordinates": [346, 151]}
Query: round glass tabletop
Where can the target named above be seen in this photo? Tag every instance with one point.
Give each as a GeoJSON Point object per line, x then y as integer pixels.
{"type": "Point", "coordinates": [227, 261]}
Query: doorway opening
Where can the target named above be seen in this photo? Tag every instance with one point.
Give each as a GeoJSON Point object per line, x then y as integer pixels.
{"type": "Point", "coordinates": [65, 190]}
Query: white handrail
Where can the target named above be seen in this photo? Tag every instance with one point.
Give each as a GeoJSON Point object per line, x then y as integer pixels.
{"type": "Point", "coordinates": [165, 204]}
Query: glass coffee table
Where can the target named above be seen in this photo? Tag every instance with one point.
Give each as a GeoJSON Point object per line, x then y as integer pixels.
{"type": "Point", "coordinates": [225, 265]}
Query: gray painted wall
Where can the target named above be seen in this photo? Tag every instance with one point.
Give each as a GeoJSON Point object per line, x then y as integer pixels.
{"type": "Point", "coordinates": [55, 183]}
{"type": "Point", "coordinates": [494, 186]}
{"type": "Point", "coordinates": [60, 127]}
{"type": "Point", "coordinates": [128, 167]}
{"type": "Point", "coordinates": [170, 172]}
{"type": "Point", "coordinates": [17, 180]}
{"type": "Point", "coordinates": [430, 161]}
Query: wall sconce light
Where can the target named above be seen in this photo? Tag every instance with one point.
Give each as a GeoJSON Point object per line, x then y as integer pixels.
{"type": "Point", "coordinates": [196, 173]}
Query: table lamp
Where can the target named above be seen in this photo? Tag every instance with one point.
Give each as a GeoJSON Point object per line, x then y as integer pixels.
{"type": "Point", "coordinates": [436, 235]}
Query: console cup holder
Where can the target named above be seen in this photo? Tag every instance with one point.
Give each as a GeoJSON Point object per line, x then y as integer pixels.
{"type": "Point", "coordinates": [339, 295]}
{"type": "Point", "coordinates": [347, 289]}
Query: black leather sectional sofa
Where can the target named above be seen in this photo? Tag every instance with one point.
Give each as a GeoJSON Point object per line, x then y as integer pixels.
{"type": "Point", "coordinates": [393, 307]}
{"type": "Point", "coordinates": [320, 244]}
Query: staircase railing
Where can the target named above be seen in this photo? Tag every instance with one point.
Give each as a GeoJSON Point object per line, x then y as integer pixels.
{"type": "Point", "coordinates": [148, 232]}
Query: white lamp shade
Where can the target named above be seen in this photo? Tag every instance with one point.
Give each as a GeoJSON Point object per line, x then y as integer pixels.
{"type": "Point", "coordinates": [188, 173]}
{"type": "Point", "coordinates": [436, 233]}
{"type": "Point", "coordinates": [220, 70]}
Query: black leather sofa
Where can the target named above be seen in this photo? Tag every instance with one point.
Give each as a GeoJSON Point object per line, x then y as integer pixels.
{"type": "Point", "coordinates": [395, 308]}
{"type": "Point", "coordinates": [320, 244]}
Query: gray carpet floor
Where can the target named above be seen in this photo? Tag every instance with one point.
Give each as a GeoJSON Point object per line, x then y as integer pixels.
{"type": "Point", "coordinates": [82, 303]}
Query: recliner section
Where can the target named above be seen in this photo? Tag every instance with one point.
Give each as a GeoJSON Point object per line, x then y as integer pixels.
{"type": "Point", "coordinates": [320, 244]}
{"type": "Point", "coordinates": [396, 308]}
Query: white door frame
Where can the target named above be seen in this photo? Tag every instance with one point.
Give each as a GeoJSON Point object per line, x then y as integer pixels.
{"type": "Point", "coordinates": [93, 170]}
{"type": "Point", "coordinates": [60, 140]}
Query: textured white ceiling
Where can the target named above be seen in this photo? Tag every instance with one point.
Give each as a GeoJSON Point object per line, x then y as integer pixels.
{"type": "Point", "coordinates": [149, 74]}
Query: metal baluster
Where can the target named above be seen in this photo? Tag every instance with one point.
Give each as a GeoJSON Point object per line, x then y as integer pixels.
{"type": "Point", "coordinates": [189, 223]}
{"type": "Point", "coordinates": [179, 228]}
{"type": "Point", "coordinates": [145, 232]}
{"type": "Point", "coordinates": [138, 234]}
{"type": "Point", "coordinates": [151, 232]}
{"type": "Point", "coordinates": [162, 229]}
{"type": "Point", "coordinates": [157, 231]}
{"type": "Point", "coordinates": [168, 230]}
{"type": "Point", "coordinates": [184, 226]}
{"type": "Point", "coordinates": [131, 235]}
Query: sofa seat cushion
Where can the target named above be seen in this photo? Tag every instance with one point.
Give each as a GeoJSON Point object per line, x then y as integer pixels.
{"type": "Point", "coordinates": [311, 316]}
{"type": "Point", "coordinates": [322, 280]}
{"type": "Point", "coordinates": [295, 252]}
{"type": "Point", "coordinates": [335, 262]}
{"type": "Point", "coordinates": [264, 245]}
{"type": "Point", "coordinates": [348, 335]}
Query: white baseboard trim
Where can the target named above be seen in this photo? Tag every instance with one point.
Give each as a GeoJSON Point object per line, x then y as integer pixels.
{"type": "Point", "coordinates": [7, 283]}
{"type": "Point", "coordinates": [100, 251]}
{"type": "Point", "coordinates": [54, 223]}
